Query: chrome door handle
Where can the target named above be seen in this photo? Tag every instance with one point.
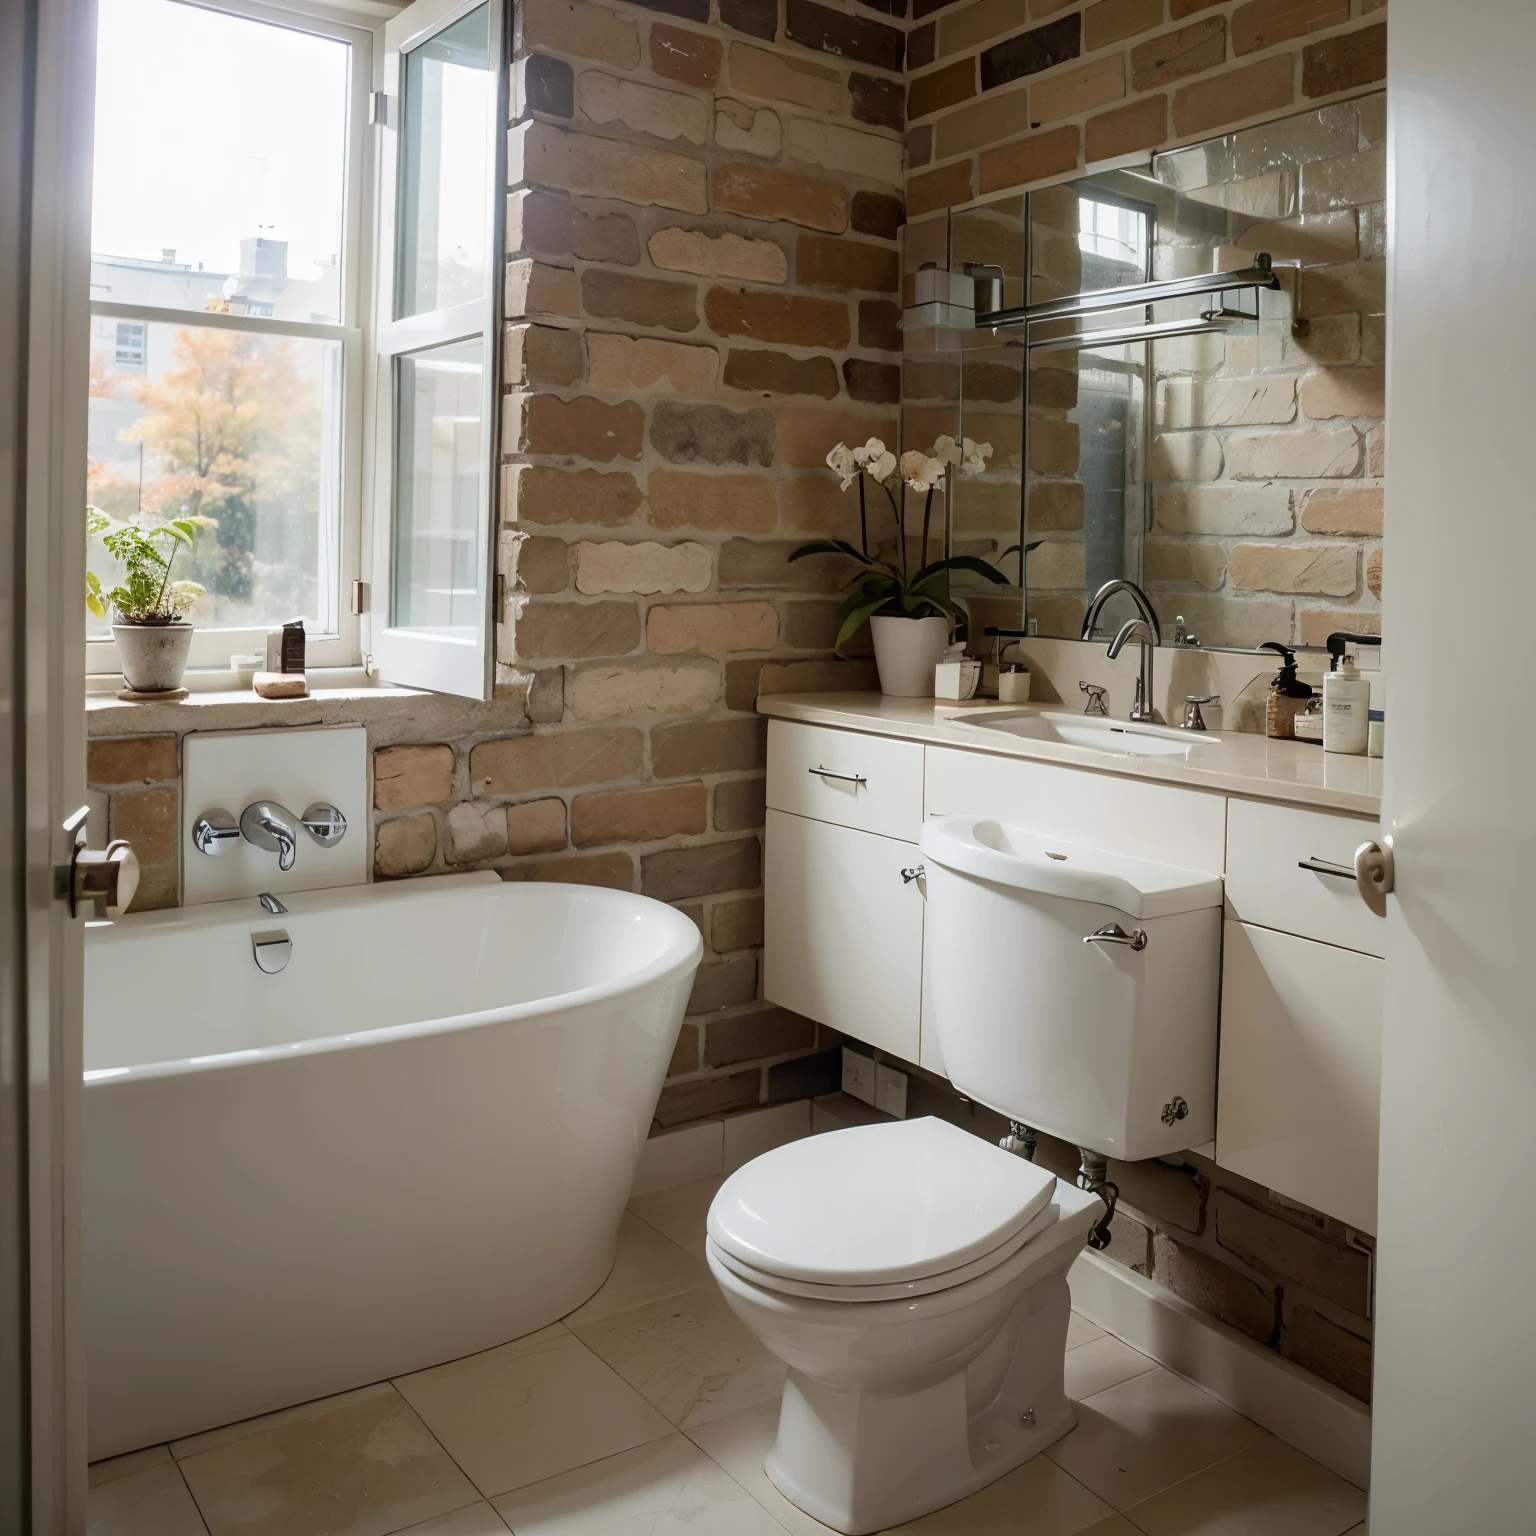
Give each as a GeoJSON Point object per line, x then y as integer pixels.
{"type": "Point", "coordinates": [915, 873]}
{"type": "Point", "coordinates": [847, 778]}
{"type": "Point", "coordinates": [1328, 867]}
{"type": "Point", "coordinates": [1113, 933]}
{"type": "Point", "coordinates": [1375, 874]}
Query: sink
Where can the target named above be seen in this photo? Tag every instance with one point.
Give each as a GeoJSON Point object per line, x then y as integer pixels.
{"type": "Point", "coordinates": [1124, 738]}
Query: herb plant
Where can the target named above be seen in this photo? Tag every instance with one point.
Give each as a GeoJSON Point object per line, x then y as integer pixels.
{"type": "Point", "coordinates": [146, 595]}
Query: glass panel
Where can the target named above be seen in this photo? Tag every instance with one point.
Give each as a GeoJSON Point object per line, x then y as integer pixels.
{"type": "Point", "coordinates": [220, 163]}
{"type": "Point", "coordinates": [449, 92]}
{"type": "Point", "coordinates": [243, 429]}
{"type": "Point", "coordinates": [438, 466]}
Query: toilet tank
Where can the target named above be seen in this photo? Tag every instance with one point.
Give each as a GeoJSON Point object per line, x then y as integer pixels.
{"type": "Point", "coordinates": [1044, 1016]}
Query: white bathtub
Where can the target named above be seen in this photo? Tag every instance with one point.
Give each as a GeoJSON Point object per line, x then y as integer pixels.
{"type": "Point", "coordinates": [414, 1142]}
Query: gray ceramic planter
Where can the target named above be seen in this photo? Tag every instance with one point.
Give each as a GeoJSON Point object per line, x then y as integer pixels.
{"type": "Point", "coordinates": [153, 656]}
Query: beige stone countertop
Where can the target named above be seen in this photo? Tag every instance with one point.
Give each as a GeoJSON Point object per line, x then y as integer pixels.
{"type": "Point", "coordinates": [1232, 763]}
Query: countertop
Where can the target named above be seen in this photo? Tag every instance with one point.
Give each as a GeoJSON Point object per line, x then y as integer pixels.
{"type": "Point", "coordinates": [1229, 763]}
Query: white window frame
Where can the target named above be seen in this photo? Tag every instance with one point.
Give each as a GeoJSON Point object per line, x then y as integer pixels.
{"type": "Point", "coordinates": [423, 658]}
{"type": "Point", "coordinates": [338, 642]}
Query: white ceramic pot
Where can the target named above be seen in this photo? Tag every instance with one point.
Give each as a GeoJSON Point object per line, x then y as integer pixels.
{"type": "Point", "coordinates": [906, 652]}
{"type": "Point", "coordinates": [153, 656]}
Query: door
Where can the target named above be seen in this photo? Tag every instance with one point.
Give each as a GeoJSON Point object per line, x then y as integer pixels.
{"type": "Point", "coordinates": [1455, 1388]}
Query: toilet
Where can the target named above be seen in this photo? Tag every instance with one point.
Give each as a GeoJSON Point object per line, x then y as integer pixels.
{"type": "Point", "coordinates": [912, 1276]}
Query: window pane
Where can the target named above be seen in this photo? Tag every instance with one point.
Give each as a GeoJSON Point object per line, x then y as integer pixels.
{"type": "Point", "coordinates": [220, 163]}
{"type": "Point", "coordinates": [437, 489]}
{"type": "Point", "coordinates": [243, 429]}
{"type": "Point", "coordinates": [445, 151]}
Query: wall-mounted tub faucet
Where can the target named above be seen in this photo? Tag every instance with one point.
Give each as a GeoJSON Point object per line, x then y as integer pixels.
{"type": "Point", "coordinates": [266, 824]}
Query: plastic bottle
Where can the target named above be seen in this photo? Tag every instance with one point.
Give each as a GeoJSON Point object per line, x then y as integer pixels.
{"type": "Point", "coordinates": [1346, 703]}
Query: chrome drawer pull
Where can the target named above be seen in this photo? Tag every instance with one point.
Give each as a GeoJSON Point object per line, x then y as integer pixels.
{"type": "Point", "coordinates": [1328, 867]}
{"type": "Point", "coordinates": [1113, 933]}
{"type": "Point", "coordinates": [857, 778]}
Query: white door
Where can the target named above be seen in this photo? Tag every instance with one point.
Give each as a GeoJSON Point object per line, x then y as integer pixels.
{"type": "Point", "coordinates": [1455, 1387]}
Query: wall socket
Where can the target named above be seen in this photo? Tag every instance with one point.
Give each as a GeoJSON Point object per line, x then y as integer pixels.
{"type": "Point", "coordinates": [859, 1075]}
{"type": "Point", "coordinates": [891, 1091]}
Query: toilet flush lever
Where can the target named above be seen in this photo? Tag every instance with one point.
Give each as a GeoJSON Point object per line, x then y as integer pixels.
{"type": "Point", "coordinates": [1113, 933]}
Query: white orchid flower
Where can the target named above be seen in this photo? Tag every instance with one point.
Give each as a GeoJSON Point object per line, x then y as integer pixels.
{"type": "Point", "coordinates": [945, 451]}
{"type": "Point", "coordinates": [842, 462]}
{"type": "Point", "coordinates": [975, 457]}
{"type": "Point", "coordinates": [882, 462]}
{"type": "Point", "coordinates": [920, 471]}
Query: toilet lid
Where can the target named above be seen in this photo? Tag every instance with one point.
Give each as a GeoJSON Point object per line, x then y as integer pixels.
{"type": "Point", "coordinates": [877, 1204]}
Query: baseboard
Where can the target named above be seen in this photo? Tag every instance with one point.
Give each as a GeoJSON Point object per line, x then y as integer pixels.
{"type": "Point", "coordinates": [1303, 1410]}
{"type": "Point", "coordinates": [712, 1148]}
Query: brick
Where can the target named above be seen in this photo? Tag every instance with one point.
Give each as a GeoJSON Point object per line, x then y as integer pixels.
{"type": "Point", "coordinates": [741, 683]}
{"type": "Point", "coordinates": [1186, 456]}
{"type": "Point", "coordinates": [1214, 1288]}
{"type": "Point", "coordinates": [943, 188]}
{"type": "Point", "coordinates": [726, 255]}
{"type": "Point", "coordinates": [1173, 1195]}
{"type": "Point", "coordinates": [1314, 625]}
{"type": "Point", "coordinates": [1055, 447]}
{"type": "Point", "coordinates": [535, 288]}
{"type": "Point", "coordinates": [1199, 564]}
{"type": "Point", "coordinates": [1207, 105]}
{"type": "Point", "coordinates": [542, 494]}
{"type": "Point", "coordinates": [584, 428]}
{"type": "Point", "coordinates": [848, 36]}
{"type": "Point", "coordinates": [1373, 119]}
{"type": "Point", "coordinates": [690, 58]}
{"type": "Point", "coordinates": [685, 1053]}
{"type": "Point", "coordinates": [638, 815]}
{"type": "Point", "coordinates": [625, 363]}
{"type": "Point", "coordinates": [919, 146]}
{"type": "Point", "coordinates": [941, 88]}
{"type": "Point", "coordinates": [845, 265]}
{"type": "Point", "coordinates": [543, 565]}
{"type": "Point", "coordinates": [645, 301]}
{"type": "Point", "coordinates": [796, 82]}
{"type": "Point", "coordinates": [823, 675]}
{"type": "Point", "coordinates": [1179, 9]}
{"type": "Point", "coordinates": [404, 777]}
{"type": "Point", "coordinates": [130, 760]}
{"type": "Point", "coordinates": [876, 383]}
{"type": "Point", "coordinates": [1344, 63]}
{"type": "Point", "coordinates": [1376, 451]}
{"type": "Point", "coordinates": [694, 747]}
{"type": "Point", "coordinates": [615, 870]}
{"type": "Point", "coordinates": [147, 818]}
{"type": "Point", "coordinates": [744, 130]}
{"type": "Point", "coordinates": [728, 984]}
{"type": "Point", "coordinates": [1356, 510]}
{"type": "Point", "coordinates": [778, 373]}
{"type": "Point", "coordinates": [516, 765]}
{"type": "Point", "coordinates": [573, 26]}
{"type": "Point", "coordinates": [672, 629]}
{"type": "Point", "coordinates": [1373, 573]}
{"type": "Point", "coordinates": [876, 213]}
{"type": "Point", "coordinates": [547, 85]}
{"type": "Point", "coordinates": [536, 826]}
{"type": "Point", "coordinates": [1173, 55]}
{"type": "Point", "coordinates": [834, 148]}
{"type": "Point", "coordinates": [1350, 392]}
{"type": "Point", "coordinates": [808, 433]}
{"type": "Point", "coordinates": [646, 567]}
{"type": "Point", "coordinates": [880, 102]}
{"type": "Point", "coordinates": [688, 10]}
{"type": "Point", "coordinates": [546, 696]}
{"type": "Point", "coordinates": [1320, 453]}
{"type": "Point", "coordinates": [711, 434]}
{"type": "Point", "coordinates": [765, 563]}
{"type": "Point", "coordinates": [792, 319]}
{"type": "Point", "coordinates": [542, 354]}
{"type": "Point", "coordinates": [693, 1100]}
{"type": "Point", "coordinates": [1319, 1345]}
{"type": "Point", "coordinates": [555, 631]}
{"type": "Point", "coordinates": [681, 499]}
{"type": "Point", "coordinates": [476, 831]}
{"type": "Point", "coordinates": [644, 109]}
{"type": "Point", "coordinates": [1130, 1243]}
{"type": "Point", "coordinates": [597, 167]}
{"type": "Point", "coordinates": [971, 25]}
{"type": "Point", "coordinates": [1055, 506]}
{"type": "Point", "coordinates": [736, 924]}
{"type": "Point", "coordinates": [637, 689]}
{"type": "Point", "coordinates": [1141, 125]}
{"type": "Point", "coordinates": [1264, 23]}
{"type": "Point", "coordinates": [757, 18]}
{"type": "Point", "coordinates": [1059, 564]}
{"type": "Point", "coordinates": [767, 192]}
{"type": "Point", "coordinates": [740, 806]}
{"type": "Point", "coordinates": [549, 224]}
{"type": "Point", "coordinates": [675, 873]}
{"type": "Point", "coordinates": [1031, 52]}
{"type": "Point", "coordinates": [814, 503]}
{"type": "Point", "coordinates": [1078, 90]}
{"type": "Point", "coordinates": [1344, 182]}
{"type": "Point", "coordinates": [1330, 569]}
{"type": "Point", "coordinates": [1027, 160]}
{"type": "Point", "coordinates": [994, 118]}
{"type": "Point", "coordinates": [1110, 21]}
{"type": "Point", "coordinates": [753, 1036]}
{"type": "Point", "coordinates": [879, 325]}
{"type": "Point", "coordinates": [806, 1077]}
{"type": "Point", "coordinates": [1283, 1250]}
{"type": "Point", "coordinates": [404, 845]}
{"type": "Point", "coordinates": [1263, 400]}
{"type": "Point", "coordinates": [1224, 510]}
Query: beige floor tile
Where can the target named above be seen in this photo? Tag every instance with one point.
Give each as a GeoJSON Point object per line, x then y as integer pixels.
{"type": "Point", "coordinates": [739, 1442]}
{"type": "Point", "coordinates": [679, 1213]}
{"type": "Point", "coordinates": [241, 1429]}
{"type": "Point", "coordinates": [1081, 1331]}
{"type": "Point", "coordinates": [1037, 1499]}
{"type": "Point", "coordinates": [1270, 1489]}
{"type": "Point", "coordinates": [478, 1520]}
{"type": "Point", "coordinates": [688, 1355]}
{"type": "Point", "coordinates": [668, 1485]}
{"type": "Point", "coordinates": [529, 1410]}
{"type": "Point", "coordinates": [1147, 1434]}
{"type": "Point", "coordinates": [1111, 1525]}
{"type": "Point", "coordinates": [150, 1502]}
{"type": "Point", "coordinates": [365, 1466]}
{"type": "Point", "coordinates": [648, 1268]}
{"type": "Point", "coordinates": [121, 1466]}
{"type": "Point", "coordinates": [1103, 1363]}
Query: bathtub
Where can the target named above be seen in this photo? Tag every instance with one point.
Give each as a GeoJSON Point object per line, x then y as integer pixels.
{"type": "Point", "coordinates": [413, 1142]}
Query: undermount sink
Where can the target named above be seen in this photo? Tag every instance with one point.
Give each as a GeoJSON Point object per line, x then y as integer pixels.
{"type": "Point", "coordinates": [1124, 738]}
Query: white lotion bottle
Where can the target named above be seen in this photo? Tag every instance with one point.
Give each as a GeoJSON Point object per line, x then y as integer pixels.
{"type": "Point", "coordinates": [1346, 710]}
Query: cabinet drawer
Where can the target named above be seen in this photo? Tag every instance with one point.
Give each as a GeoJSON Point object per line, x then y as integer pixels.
{"type": "Point", "coordinates": [1298, 1104]}
{"type": "Point", "coordinates": [872, 782]}
{"type": "Point", "coordinates": [842, 931]}
{"type": "Point", "coordinates": [1266, 885]}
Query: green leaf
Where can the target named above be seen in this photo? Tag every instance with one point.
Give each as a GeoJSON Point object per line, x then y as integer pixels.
{"type": "Point", "coordinates": [829, 547]}
{"type": "Point", "coordinates": [850, 625]}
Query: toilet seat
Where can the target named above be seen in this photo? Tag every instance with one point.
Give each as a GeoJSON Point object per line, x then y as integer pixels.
{"type": "Point", "coordinates": [878, 1212]}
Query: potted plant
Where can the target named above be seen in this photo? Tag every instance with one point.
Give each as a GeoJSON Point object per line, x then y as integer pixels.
{"type": "Point", "coordinates": [908, 605]}
{"type": "Point", "coordinates": [152, 636]}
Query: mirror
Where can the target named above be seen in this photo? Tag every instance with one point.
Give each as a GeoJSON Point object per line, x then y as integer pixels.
{"type": "Point", "coordinates": [1236, 474]}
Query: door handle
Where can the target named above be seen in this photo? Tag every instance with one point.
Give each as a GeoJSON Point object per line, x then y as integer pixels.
{"type": "Point", "coordinates": [1375, 874]}
{"type": "Point", "coordinates": [1328, 867]}
{"type": "Point", "coordinates": [847, 778]}
{"type": "Point", "coordinates": [108, 876]}
{"type": "Point", "coordinates": [1113, 933]}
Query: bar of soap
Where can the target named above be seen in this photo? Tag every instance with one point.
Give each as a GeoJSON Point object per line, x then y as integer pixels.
{"type": "Point", "coordinates": [281, 685]}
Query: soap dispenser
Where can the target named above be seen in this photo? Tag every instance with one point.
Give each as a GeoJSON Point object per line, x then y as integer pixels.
{"type": "Point", "coordinates": [1346, 698]}
{"type": "Point", "coordinates": [1288, 695]}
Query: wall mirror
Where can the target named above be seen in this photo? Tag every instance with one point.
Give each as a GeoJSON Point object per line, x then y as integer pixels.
{"type": "Point", "coordinates": [1223, 449]}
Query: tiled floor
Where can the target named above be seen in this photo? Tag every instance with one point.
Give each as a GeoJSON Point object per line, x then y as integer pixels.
{"type": "Point", "coordinates": [650, 1409]}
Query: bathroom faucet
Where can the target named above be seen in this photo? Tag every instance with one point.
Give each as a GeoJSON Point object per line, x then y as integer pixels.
{"type": "Point", "coordinates": [273, 827]}
{"type": "Point", "coordinates": [1144, 628]}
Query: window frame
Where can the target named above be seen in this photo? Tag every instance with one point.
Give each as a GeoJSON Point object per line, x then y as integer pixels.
{"type": "Point", "coordinates": [339, 643]}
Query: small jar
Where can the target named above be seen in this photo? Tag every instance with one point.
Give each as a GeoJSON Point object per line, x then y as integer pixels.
{"type": "Point", "coordinates": [1013, 683]}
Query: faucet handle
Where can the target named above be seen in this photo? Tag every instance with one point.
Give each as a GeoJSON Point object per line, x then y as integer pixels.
{"type": "Point", "coordinates": [324, 823]}
{"type": "Point", "coordinates": [1096, 694]}
{"type": "Point", "coordinates": [1193, 720]}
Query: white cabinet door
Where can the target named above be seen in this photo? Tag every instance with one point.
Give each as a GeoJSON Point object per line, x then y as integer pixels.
{"type": "Point", "coordinates": [1298, 1099]}
{"type": "Point", "coordinates": [854, 779]}
{"type": "Point", "coordinates": [843, 932]}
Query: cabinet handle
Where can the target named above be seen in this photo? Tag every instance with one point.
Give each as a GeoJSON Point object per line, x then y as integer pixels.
{"type": "Point", "coordinates": [857, 778]}
{"type": "Point", "coordinates": [1113, 933]}
{"type": "Point", "coordinates": [1328, 867]}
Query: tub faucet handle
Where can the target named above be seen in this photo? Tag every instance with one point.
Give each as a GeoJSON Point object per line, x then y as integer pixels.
{"type": "Point", "coordinates": [269, 825]}
{"type": "Point", "coordinates": [325, 824]}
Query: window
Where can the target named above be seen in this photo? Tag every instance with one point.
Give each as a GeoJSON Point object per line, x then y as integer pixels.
{"type": "Point", "coordinates": [227, 293]}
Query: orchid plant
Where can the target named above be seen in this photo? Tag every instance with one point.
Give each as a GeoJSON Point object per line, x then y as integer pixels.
{"type": "Point", "coordinates": [886, 585]}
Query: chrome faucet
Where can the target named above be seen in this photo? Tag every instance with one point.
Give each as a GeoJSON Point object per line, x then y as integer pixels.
{"type": "Point", "coordinates": [269, 825]}
{"type": "Point", "coordinates": [1144, 628]}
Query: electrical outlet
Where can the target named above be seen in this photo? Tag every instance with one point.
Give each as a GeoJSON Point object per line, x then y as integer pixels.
{"type": "Point", "coordinates": [891, 1091]}
{"type": "Point", "coordinates": [859, 1075]}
